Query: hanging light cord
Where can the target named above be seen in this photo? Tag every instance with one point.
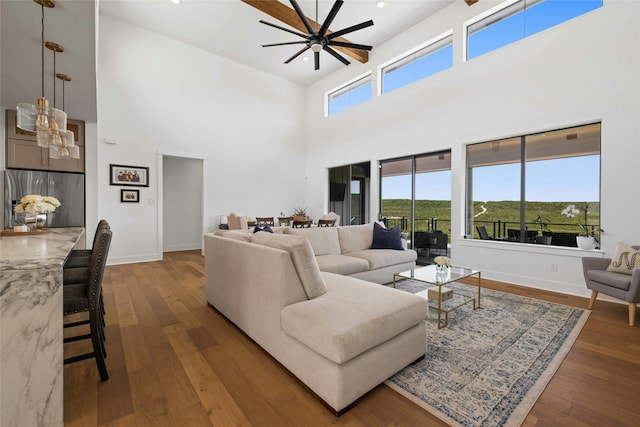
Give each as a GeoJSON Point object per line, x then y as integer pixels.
{"type": "Point", "coordinates": [42, 47]}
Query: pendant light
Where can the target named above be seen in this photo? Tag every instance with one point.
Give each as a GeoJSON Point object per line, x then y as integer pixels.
{"type": "Point", "coordinates": [60, 140]}
{"type": "Point", "coordinates": [68, 147]}
{"type": "Point", "coordinates": [41, 118]}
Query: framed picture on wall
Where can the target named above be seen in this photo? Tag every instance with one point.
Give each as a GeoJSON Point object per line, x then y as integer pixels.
{"type": "Point", "coordinates": [134, 176]}
{"type": "Point", "coordinates": [130, 196]}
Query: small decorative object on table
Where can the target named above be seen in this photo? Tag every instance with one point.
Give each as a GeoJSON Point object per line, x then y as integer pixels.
{"type": "Point", "coordinates": [442, 263]}
{"type": "Point", "coordinates": [36, 208]}
{"type": "Point", "coordinates": [300, 214]}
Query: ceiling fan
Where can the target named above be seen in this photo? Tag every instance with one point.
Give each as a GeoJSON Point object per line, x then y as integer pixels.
{"type": "Point", "coordinates": [321, 38]}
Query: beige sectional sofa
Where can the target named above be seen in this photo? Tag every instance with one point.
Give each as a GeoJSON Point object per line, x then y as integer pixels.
{"type": "Point", "coordinates": [341, 336]}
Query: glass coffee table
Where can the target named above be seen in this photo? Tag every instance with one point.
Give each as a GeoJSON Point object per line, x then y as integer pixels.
{"type": "Point", "coordinates": [438, 279]}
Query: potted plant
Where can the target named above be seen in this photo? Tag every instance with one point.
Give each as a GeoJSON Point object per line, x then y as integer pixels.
{"type": "Point", "coordinates": [586, 239]}
{"type": "Point", "coordinates": [300, 214]}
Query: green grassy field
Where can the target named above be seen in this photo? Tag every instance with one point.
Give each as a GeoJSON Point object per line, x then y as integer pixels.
{"type": "Point", "coordinates": [541, 216]}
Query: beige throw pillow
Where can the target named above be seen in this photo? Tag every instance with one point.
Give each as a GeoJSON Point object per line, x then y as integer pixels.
{"type": "Point", "coordinates": [302, 256]}
{"type": "Point", "coordinates": [625, 259]}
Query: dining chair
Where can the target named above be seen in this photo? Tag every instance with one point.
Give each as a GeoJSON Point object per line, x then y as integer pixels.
{"type": "Point", "coordinates": [85, 298]}
{"type": "Point", "coordinates": [81, 257]}
{"type": "Point", "coordinates": [285, 221]}
{"type": "Point", "coordinates": [326, 222]}
{"type": "Point", "coordinates": [297, 223]}
{"type": "Point", "coordinates": [261, 221]}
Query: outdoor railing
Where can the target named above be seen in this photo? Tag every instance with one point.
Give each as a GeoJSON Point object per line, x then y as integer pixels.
{"type": "Point", "coordinates": [558, 234]}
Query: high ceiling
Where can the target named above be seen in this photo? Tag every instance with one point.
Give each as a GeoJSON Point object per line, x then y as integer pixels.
{"type": "Point", "coordinates": [228, 28]}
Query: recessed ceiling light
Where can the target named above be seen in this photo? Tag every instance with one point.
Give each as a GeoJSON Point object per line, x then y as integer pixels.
{"type": "Point", "coordinates": [176, 1]}
{"type": "Point", "coordinates": [305, 58]}
{"type": "Point", "coordinates": [380, 4]}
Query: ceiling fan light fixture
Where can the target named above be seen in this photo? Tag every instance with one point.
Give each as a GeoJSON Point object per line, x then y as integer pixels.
{"type": "Point", "coordinates": [316, 46]}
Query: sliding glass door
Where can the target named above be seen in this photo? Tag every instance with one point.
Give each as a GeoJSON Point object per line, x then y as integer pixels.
{"type": "Point", "coordinates": [415, 193]}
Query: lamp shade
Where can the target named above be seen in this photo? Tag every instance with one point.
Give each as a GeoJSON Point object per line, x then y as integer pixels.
{"type": "Point", "coordinates": [224, 219]}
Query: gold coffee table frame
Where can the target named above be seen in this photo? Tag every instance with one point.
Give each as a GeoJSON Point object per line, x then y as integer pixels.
{"type": "Point", "coordinates": [432, 276]}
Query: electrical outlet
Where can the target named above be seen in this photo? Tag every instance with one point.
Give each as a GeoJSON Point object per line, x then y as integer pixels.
{"type": "Point", "coordinates": [554, 266]}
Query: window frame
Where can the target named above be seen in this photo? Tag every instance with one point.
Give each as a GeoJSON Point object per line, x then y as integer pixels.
{"type": "Point", "coordinates": [523, 140]}
{"type": "Point", "coordinates": [405, 55]}
{"type": "Point", "coordinates": [346, 87]}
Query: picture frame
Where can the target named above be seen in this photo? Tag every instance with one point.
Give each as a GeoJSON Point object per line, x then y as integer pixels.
{"type": "Point", "coordinates": [129, 196]}
{"type": "Point", "coordinates": [130, 176]}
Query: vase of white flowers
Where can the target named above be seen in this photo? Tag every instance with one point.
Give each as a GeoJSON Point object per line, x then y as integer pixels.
{"type": "Point", "coordinates": [442, 263]}
{"type": "Point", "coordinates": [36, 209]}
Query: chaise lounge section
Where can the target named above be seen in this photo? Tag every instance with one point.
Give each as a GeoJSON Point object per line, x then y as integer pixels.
{"type": "Point", "coordinates": [339, 335]}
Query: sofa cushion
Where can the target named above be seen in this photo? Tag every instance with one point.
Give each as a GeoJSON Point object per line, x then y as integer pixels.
{"type": "Point", "coordinates": [625, 259]}
{"type": "Point", "coordinates": [302, 256]}
{"type": "Point", "coordinates": [266, 229]}
{"type": "Point", "coordinates": [355, 237]}
{"type": "Point", "coordinates": [242, 235]}
{"type": "Point", "coordinates": [342, 264]}
{"type": "Point", "coordinates": [352, 317]}
{"type": "Point", "coordinates": [324, 240]}
{"type": "Point", "coordinates": [378, 258]}
{"type": "Point", "coordinates": [386, 238]}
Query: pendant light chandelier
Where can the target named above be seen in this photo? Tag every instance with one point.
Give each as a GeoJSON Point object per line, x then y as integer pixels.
{"type": "Point", "coordinates": [68, 147]}
{"type": "Point", "coordinates": [47, 122]}
{"type": "Point", "coordinates": [60, 142]}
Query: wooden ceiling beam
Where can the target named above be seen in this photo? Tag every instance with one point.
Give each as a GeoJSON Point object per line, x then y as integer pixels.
{"type": "Point", "coordinates": [288, 16]}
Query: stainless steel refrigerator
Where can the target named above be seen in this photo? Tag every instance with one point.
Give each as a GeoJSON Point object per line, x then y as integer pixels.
{"type": "Point", "coordinates": [67, 187]}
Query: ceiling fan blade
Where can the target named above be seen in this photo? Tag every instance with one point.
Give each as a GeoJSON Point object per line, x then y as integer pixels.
{"type": "Point", "coordinates": [316, 60]}
{"type": "Point", "coordinates": [332, 14]}
{"type": "Point", "coordinates": [303, 18]}
{"type": "Point", "coordinates": [350, 29]}
{"type": "Point", "coordinates": [283, 28]}
{"type": "Point", "coordinates": [296, 54]}
{"type": "Point", "coordinates": [350, 45]}
{"type": "Point", "coordinates": [336, 55]}
{"type": "Point", "coordinates": [283, 44]}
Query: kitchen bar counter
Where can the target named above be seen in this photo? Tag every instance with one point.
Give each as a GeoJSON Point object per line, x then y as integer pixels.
{"type": "Point", "coordinates": [31, 351]}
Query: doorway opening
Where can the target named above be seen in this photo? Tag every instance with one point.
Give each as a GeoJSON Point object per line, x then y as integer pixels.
{"type": "Point", "coordinates": [349, 192]}
{"type": "Point", "coordinates": [181, 202]}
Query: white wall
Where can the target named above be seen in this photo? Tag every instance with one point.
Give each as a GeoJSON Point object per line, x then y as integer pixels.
{"type": "Point", "coordinates": [581, 71]}
{"type": "Point", "coordinates": [182, 203]}
{"type": "Point", "coordinates": [157, 94]}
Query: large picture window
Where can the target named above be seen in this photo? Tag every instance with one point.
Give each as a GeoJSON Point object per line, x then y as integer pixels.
{"type": "Point", "coordinates": [348, 95]}
{"type": "Point", "coordinates": [430, 58]}
{"type": "Point", "coordinates": [516, 19]}
{"type": "Point", "coordinates": [540, 188]}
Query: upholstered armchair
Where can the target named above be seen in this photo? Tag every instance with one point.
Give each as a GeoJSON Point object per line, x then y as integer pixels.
{"type": "Point", "coordinates": [237, 222]}
{"type": "Point", "coordinates": [615, 284]}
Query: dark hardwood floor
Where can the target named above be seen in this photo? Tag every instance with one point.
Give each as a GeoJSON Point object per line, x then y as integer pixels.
{"type": "Point", "coordinates": [174, 361]}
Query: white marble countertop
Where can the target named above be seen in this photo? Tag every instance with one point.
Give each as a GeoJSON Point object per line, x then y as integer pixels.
{"type": "Point", "coordinates": [31, 319]}
{"type": "Point", "coordinates": [37, 251]}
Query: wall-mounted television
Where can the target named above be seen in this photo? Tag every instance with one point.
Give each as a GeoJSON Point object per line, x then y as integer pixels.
{"type": "Point", "coordinates": [336, 191]}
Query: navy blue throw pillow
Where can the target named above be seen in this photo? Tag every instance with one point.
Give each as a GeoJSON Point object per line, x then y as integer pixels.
{"type": "Point", "coordinates": [266, 228]}
{"type": "Point", "coordinates": [386, 238]}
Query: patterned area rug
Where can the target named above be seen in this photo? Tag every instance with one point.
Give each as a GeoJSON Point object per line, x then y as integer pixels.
{"type": "Point", "coordinates": [489, 366]}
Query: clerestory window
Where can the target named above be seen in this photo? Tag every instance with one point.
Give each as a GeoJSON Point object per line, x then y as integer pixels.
{"type": "Point", "coordinates": [516, 19]}
{"type": "Point", "coordinates": [348, 95]}
{"type": "Point", "coordinates": [423, 61]}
